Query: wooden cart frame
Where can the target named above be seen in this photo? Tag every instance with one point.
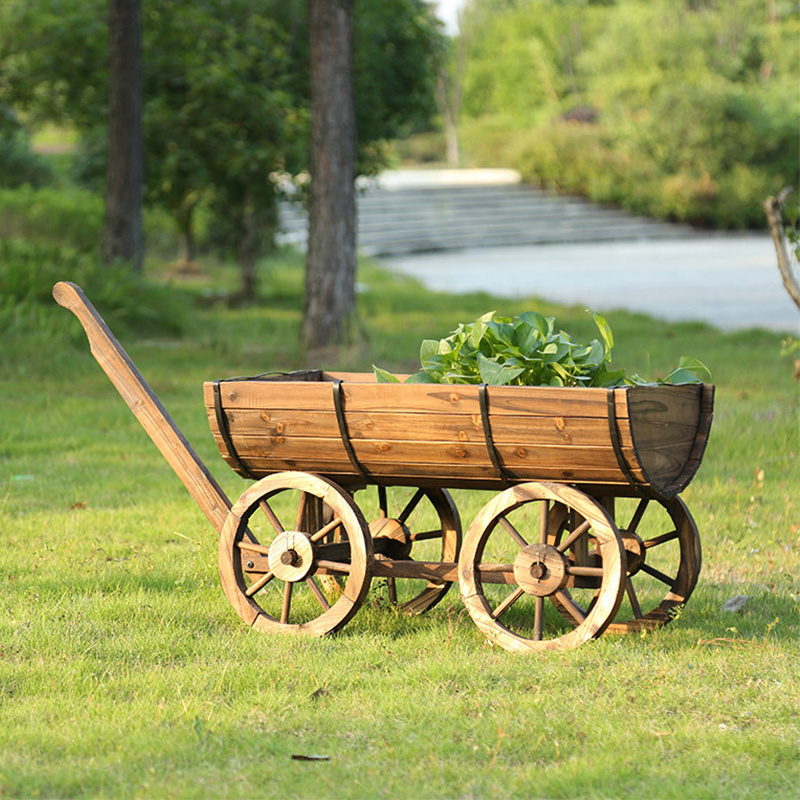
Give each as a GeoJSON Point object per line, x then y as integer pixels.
{"type": "Point", "coordinates": [578, 475]}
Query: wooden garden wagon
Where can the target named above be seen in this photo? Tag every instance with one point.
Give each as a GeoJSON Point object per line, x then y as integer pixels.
{"type": "Point", "coordinates": [584, 530]}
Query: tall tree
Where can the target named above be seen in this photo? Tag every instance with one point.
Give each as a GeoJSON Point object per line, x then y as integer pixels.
{"type": "Point", "coordinates": [330, 300]}
{"type": "Point", "coordinates": [123, 236]}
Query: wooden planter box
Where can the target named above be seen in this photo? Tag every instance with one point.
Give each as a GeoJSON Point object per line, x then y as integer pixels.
{"type": "Point", "coordinates": [351, 429]}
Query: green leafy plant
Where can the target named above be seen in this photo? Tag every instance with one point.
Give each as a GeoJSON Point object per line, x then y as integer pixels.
{"type": "Point", "coordinates": [527, 350]}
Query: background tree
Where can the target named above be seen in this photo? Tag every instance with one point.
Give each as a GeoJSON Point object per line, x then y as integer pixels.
{"type": "Point", "coordinates": [123, 236]}
{"type": "Point", "coordinates": [329, 315]}
{"type": "Point", "coordinates": [227, 94]}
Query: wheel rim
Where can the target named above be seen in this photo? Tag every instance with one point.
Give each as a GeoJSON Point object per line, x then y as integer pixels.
{"type": "Point", "coordinates": [295, 556]}
{"type": "Point", "coordinates": [417, 525]}
{"type": "Point", "coordinates": [663, 538]}
{"type": "Point", "coordinates": [512, 572]}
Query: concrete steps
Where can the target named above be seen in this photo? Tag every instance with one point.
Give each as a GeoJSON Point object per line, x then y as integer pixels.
{"type": "Point", "coordinates": [399, 216]}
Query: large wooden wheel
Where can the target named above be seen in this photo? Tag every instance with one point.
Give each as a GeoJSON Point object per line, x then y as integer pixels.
{"type": "Point", "coordinates": [284, 537]}
{"type": "Point", "coordinates": [663, 551]}
{"type": "Point", "coordinates": [514, 580]}
{"type": "Point", "coordinates": [416, 525]}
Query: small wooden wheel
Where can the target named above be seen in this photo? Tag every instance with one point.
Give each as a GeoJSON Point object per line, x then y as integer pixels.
{"type": "Point", "coordinates": [663, 556]}
{"type": "Point", "coordinates": [509, 566]}
{"type": "Point", "coordinates": [426, 527]}
{"type": "Point", "coordinates": [275, 575]}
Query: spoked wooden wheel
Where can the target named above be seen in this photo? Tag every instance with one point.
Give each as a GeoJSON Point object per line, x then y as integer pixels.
{"type": "Point", "coordinates": [416, 525]}
{"type": "Point", "coordinates": [509, 568]}
{"type": "Point", "coordinates": [282, 539]}
{"type": "Point", "coordinates": [662, 545]}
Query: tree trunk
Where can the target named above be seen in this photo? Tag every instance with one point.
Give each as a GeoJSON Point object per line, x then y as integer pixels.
{"type": "Point", "coordinates": [330, 303]}
{"type": "Point", "coordinates": [123, 236]}
{"type": "Point", "coordinates": [248, 249]}
{"type": "Point", "coordinates": [184, 218]}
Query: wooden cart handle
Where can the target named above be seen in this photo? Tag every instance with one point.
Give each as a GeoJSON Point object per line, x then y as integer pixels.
{"type": "Point", "coordinates": [141, 399]}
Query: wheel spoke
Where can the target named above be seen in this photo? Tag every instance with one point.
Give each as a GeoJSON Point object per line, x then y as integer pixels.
{"type": "Point", "coordinates": [382, 502]}
{"type": "Point", "coordinates": [423, 535]}
{"type": "Point", "coordinates": [259, 584]}
{"type": "Point", "coordinates": [666, 537]}
{"type": "Point", "coordinates": [659, 575]}
{"type": "Point", "coordinates": [287, 602]}
{"type": "Point", "coordinates": [410, 506]}
{"type": "Point", "coordinates": [508, 602]}
{"type": "Point", "coordinates": [392, 586]}
{"type": "Point", "coordinates": [575, 611]}
{"type": "Point", "coordinates": [317, 592]}
{"type": "Point", "coordinates": [334, 566]}
{"type": "Point", "coordinates": [326, 529]}
{"type": "Point", "coordinates": [634, 600]}
{"type": "Point", "coordinates": [512, 531]}
{"type": "Point", "coordinates": [538, 618]}
{"type": "Point", "coordinates": [302, 505]}
{"type": "Point", "coordinates": [638, 514]}
{"type": "Point", "coordinates": [545, 523]}
{"type": "Point", "coordinates": [574, 536]}
{"type": "Point", "coordinates": [251, 547]}
{"type": "Point", "coordinates": [271, 516]}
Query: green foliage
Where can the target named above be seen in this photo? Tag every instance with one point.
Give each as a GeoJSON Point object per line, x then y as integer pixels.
{"type": "Point", "coordinates": [68, 216]}
{"type": "Point", "coordinates": [71, 217]}
{"type": "Point", "coordinates": [698, 117]}
{"type": "Point", "coordinates": [29, 271]}
{"type": "Point", "coordinates": [526, 350]}
{"type": "Point", "coordinates": [18, 165]}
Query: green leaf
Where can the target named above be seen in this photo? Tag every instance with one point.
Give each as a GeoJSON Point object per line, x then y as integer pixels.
{"type": "Point", "coordinates": [605, 333]}
{"type": "Point", "coordinates": [382, 376]}
{"type": "Point", "coordinates": [428, 349]}
{"type": "Point", "coordinates": [496, 374]}
{"type": "Point", "coordinates": [421, 377]}
{"type": "Point", "coordinates": [537, 322]}
{"type": "Point", "coordinates": [694, 365]}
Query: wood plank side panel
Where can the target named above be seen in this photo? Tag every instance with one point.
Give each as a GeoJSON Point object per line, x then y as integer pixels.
{"type": "Point", "coordinates": [434, 434]}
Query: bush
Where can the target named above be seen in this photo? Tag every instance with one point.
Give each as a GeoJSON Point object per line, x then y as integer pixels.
{"type": "Point", "coordinates": [591, 162]}
{"type": "Point", "coordinates": [18, 165]}
{"type": "Point", "coordinates": [71, 217]}
{"type": "Point", "coordinates": [127, 302]}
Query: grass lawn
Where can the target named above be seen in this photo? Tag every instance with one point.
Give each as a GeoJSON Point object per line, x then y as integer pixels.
{"type": "Point", "coordinates": [125, 673]}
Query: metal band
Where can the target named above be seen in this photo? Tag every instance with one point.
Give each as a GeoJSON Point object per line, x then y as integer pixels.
{"type": "Point", "coordinates": [338, 405]}
{"type": "Point", "coordinates": [501, 471]}
{"type": "Point", "coordinates": [224, 430]}
{"type": "Point", "coordinates": [613, 429]}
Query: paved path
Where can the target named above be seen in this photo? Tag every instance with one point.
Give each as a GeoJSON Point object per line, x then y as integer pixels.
{"type": "Point", "coordinates": [732, 281]}
{"type": "Point", "coordinates": [728, 280]}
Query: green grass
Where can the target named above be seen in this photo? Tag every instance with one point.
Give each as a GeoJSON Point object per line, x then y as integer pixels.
{"type": "Point", "coordinates": [125, 673]}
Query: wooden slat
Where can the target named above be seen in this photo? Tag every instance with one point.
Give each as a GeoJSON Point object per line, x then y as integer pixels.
{"type": "Point", "coordinates": [441, 475]}
{"type": "Point", "coordinates": [399, 426]}
{"type": "Point", "coordinates": [445, 456]}
{"type": "Point", "coordinates": [426, 398]}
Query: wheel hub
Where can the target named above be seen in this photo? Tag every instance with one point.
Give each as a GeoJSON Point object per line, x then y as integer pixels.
{"type": "Point", "coordinates": [540, 569]}
{"type": "Point", "coordinates": [397, 534]}
{"type": "Point", "coordinates": [634, 551]}
{"type": "Point", "coordinates": [291, 556]}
